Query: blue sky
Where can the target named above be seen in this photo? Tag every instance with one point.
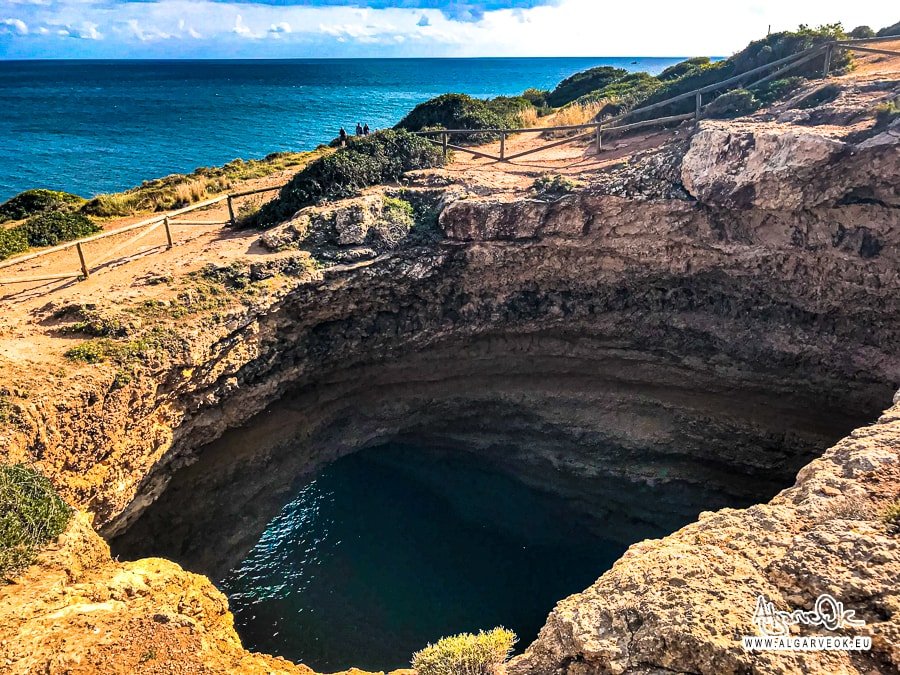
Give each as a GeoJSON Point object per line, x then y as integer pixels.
{"type": "Point", "coordinates": [334, 28]}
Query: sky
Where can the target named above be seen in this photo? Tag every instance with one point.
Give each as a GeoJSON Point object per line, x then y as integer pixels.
{"type": "Point", "coordinates": [408, 28]}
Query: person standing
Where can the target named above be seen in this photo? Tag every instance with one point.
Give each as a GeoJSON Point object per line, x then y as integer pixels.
{"type": "Point", "coordinates": [366, 130]}
{"type": "Point", "coordinates": [359, 129]}
{"type": "Point", "coordinates": [342, 134]}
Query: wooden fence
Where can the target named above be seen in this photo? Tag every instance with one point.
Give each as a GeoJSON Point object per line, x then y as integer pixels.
{"type": "Point", "coordinates": [143, 228]}
{"type": "Point", "coordinates": [613, 124]}
{"type": "Point", "coordinates": [595, 129]}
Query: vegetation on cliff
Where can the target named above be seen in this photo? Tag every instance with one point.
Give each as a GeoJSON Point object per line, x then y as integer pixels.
{"type": "Point", "coordinates": [460, 111]}
{"type": "Point", "coordinates": [466, 654]}
{"type": "Point", "coordinates": [179, 190]}
{"type": "Point", "coordinates": [31, 515]}
{"type": "Point", "coordinates": [49, 217]}
{"type": "Point", "coordinates": [382, 157]}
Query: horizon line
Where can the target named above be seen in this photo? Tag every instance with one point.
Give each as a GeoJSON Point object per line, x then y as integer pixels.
{"type": "Point", "coordinates": [345, 58]}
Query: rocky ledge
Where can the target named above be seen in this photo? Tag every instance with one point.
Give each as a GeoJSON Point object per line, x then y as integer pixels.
{"type": "Point", "coordinates": [684, 332]}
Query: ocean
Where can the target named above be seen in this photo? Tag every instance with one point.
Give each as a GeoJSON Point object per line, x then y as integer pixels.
{"type": "Point", "coordinates": [92, 127]}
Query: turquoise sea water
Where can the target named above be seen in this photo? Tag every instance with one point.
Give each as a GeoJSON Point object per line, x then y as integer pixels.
{"type": "Point", "coordinates": [101, 126]}
{"type": "Point", "coordinates": [393, 547]}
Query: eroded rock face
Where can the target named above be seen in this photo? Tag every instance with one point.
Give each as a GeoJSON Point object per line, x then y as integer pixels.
{"type": "Point", "coordinates": [690, 329]}
{"type": "Point", "coordinates": [682, 603]}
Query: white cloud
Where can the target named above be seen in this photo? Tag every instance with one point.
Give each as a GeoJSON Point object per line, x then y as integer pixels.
{"type": "Point", "coordinates": [86, 30]}
{"type": "Point", "coordinates": [561, 28]}
{"type": "Point", "coordinates": [13, 26]}
{"type": "Point", "coordinates": [242, 29]}
{"type": "Point", "coordinates": [276, 30]}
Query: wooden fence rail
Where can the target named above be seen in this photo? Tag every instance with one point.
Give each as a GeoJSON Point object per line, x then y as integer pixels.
{"type": "Point", "coordinates": [780, 66]}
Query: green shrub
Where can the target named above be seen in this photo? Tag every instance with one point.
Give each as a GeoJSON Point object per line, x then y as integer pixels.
{"type": "Point", "coordinates": [885, 113]}
{"type": "Point", "coordinates": [52, 227]}
{"type": "Point", "coordinates": [861, 32]}
{"type": "Point", "coordinates": [775, 90]}
{"type": "Point", "coordinates": [585, 82]}
{"type": "Point", "coordinates": [460, 111]}
{"type": "Point", "coordinates": [536, 97]}
{"type": "Point", "coordinates": [12, 241]}
{"type": "Point", "coordinates": [891, 516]}
{"type": "Point", "coordinates": [371, 160]}
{"type": "Point", "coordinates": [625, 91]}
{"type": "Point", "coordinates": [734, 103]}
{"type": "Point", "coordinates": [466, 654]}
{"type": "Point", "coordinates": [32, 202]}
{"type": "Point", "coordinates": [889, 30]}
{"type": "Point", "coordinates": [683, 68]}
{"type": "Point", "coordinates": [554, 185]}
{"type": "Point", "coordinates": [31, 515]}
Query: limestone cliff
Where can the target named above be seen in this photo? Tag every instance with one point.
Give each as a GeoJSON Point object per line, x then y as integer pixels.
{"type": "Point", "coordinates": [682, 333]}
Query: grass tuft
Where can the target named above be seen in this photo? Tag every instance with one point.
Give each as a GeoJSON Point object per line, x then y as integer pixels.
{"type": "Point", "coordinates": [466, 654]}
{"type": "Point", "coordinates": [31, 515]}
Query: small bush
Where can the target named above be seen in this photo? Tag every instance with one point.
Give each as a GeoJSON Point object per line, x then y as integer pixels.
{"type": "Point", "coordinates": [861, 32]}
{"type": "Point", "coordinates": [32, 202]}
{"type": "Point", "coordinates": [12, 241]}
{"type": "Point", "coordinates": [683, 68]}
{"type": "Point", "coordinates": [554, 185]}
{"type": "Point", "coordinates": [380, 158]}
{"type": "Point", "coordinates": [734, 103]}
{"type": "Point", "coordinates": [889, 31]}
{"type": "Point", "coordinates": [31, 515]}
{"type": "Point", "coordinates": [891, 516]}
{"type": "Point", "coordinates": [460, 111]}
{"type": "Point", "coordinates": [886, 113]}
{"type": "Point", "coordinates": [466, 654]}
{"type": "Point", "coordinates": [577, 85]}
{"type": "Point", "coordinates": [776, 90]}
{"type": "Point", "coordinates": [52, 227]}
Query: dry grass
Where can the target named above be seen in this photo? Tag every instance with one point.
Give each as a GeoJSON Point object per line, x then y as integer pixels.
{"type": "Point", "coordinates": [573, 114]}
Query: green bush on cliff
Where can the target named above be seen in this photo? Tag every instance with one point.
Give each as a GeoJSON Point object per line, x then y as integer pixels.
{"type": "Point", "coordinates": [12, 241]}
{"type": "Point", "coordinates": [577, 85]}
{"type": "Point", "coordinates": [53, 227]}
{"type": "Point", "coordinates": [466, 654]}
{"type": "Point", "coordinates": [460, 111]}
{"type": "Point", "coordinates": [888, 31]}
{"type": "Point", "coordinates": [382, 157]}
{"type": "Point", "coordinates": [31, 515]}
{"type": "Point", "coordinates": [734, 103]}
{"type": "Point", "coordinates": [775, 90]}
{"type": "Point", "coordinates": [33, 202]}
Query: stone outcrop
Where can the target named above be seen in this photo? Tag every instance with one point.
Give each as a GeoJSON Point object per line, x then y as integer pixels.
{"type": "Point", "coordinates": [684, 333]}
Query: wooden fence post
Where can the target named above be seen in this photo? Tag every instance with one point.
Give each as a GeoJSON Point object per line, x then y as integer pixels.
{"type": "Point", "coordinates": [444, 141]}
{"type": "Point", "coordinates": [597, 140]}
{"type": "Point", "coordinates": [168, 233]}
{"type": "Point", "coordinates": [84, 267]}
{"type": "Point", "coordinates": [827, 66]}
{"type": "Point", "coordinates": [230, 214]}
{"type": "Point", "coordinates": [698, 105]}
{"type": "Point", "coordinates": [502, 145]}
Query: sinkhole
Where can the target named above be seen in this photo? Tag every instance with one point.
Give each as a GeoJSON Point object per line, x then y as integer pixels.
{"type": "Point", "coordinates": [392, 547]}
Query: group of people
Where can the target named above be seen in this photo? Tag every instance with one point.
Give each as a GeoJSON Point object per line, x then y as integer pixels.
{"type": "Point", "coordinates": [361, 130]}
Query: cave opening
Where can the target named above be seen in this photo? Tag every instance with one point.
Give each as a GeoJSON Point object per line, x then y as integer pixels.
{"type": "Point", "coordinates": [376, 509]}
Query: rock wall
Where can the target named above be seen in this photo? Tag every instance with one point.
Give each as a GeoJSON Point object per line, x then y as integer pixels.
{"type": "Point", "coordinates": [692, 327]}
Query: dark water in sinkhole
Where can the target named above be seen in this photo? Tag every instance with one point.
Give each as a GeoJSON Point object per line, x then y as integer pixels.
{"type": "Point", "coordinates": [393, 547]}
